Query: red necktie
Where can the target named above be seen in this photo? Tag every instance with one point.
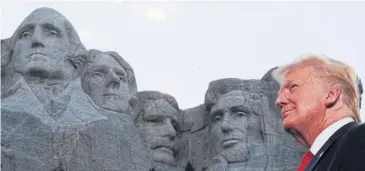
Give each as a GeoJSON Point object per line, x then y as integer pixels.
{"type": "Point", "coordinates": [305, 161]}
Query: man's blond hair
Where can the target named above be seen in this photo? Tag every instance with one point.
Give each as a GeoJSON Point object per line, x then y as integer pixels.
{"type": "Point", "coordinates": [331, 72]}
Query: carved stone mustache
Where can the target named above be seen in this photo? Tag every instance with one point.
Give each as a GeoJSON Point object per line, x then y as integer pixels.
{"type": "Point", "coordinates": [162, 142]}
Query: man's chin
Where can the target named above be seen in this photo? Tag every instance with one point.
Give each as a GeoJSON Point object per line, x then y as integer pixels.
{"type": "Point", "coordinates": [38, 68]}
{"type": "Point", "coordinates": [163, 157]}
{"type": "Point", "coordinates": [236, 154]}
{"type": "Point", "coordinates": [288, 124]}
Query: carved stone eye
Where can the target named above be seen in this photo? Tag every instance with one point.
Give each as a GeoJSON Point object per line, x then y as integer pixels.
{"type": "Point", "coordinates": [53, 33]}
{"type": "Point", "coordinates": [155, 121]}
{"type": "Point", "coordinates": [241, 114]}
{"type": "Point", "coordinates": [25, 35]}
{"type": "Point", "coordinates": [98, 74]}
{"type": "Point", "coordinates": [121, 76]}
{"type": "Point", "coordinates": [217, 118]}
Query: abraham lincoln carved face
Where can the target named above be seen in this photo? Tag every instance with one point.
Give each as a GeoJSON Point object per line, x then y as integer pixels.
{"type": "Point", "coordinates": [235, 123]}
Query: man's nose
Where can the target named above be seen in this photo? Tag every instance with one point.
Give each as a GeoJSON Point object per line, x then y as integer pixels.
{"type": "Point", "coordinates": [37, 37]}
{"type": "Point", "coordinates": [113, 79]}
{"type": "Point", "coordinates": [170, 130]}
{"type": "Point", "coordinates": [281, 100]}
{"type": "Point", "coordinates": [226, 124]}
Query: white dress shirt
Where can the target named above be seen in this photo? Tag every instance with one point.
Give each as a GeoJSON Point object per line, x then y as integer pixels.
{"type": "Point", "coordinates": [327, 133]}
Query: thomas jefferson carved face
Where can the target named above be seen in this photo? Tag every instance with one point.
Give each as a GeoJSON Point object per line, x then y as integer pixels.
{"type": "Point", "coordinates": [158, 126]}
{"type": "Point", "coordinates": [42, 45]}
{"type": "Point", "coordinates": [233, 123]}
{"type": "Point", "coordinates": [106, 83]}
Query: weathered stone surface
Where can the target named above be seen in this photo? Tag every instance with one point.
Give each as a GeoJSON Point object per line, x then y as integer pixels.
{"type": "Point", "coordinates": [8, 77]}
{"type": "Point", "coordinates": [109, 80]}
{"type": "Point", "coordinates": [279, 150]}
{"type": "Point", "coordinates": [49, 122]}
{"type": "Point", "coordinates": [157, 118]}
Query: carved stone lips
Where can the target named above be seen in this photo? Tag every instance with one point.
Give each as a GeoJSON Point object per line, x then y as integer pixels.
{"type": "Point", "coordinates": [165, 150]}
{"type": "Point", "coordinates": [110, 94]}
{"type": "Point", "coordinates": [229, 142]}
{"type": "Point", "coordinates": [36, 54]}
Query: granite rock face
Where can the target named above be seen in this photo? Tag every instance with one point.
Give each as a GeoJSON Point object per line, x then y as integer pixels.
{"type": "Point", "coordinates": [264, 145]}
{"type": "Point", "coordinates": [64, 107]}
{"type": "Point", "coordinates": [48, 121]}
{"type": "Point", "coordinates": [157, 117]}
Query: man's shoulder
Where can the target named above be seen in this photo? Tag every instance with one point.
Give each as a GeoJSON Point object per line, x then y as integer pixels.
{"type": "Point", "coordinates": [357, 130]}
{"type": "Point", "coordinates": [353, 147]}
{"type": "Point", "coordinates": [353, 142]}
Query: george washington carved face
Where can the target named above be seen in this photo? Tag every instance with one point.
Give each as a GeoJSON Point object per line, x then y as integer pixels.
{"type": "Point", "coordinates": [42, 44]}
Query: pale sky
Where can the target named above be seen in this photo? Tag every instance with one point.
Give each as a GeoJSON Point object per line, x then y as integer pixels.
{"type": "Point", "coordinates": [179, 47]}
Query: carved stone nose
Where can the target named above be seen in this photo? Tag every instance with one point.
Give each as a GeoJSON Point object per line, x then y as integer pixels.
{"type": "Point", "coordinates": [37, 39]}
{"type": "Point", "coordinates": [113, 80]}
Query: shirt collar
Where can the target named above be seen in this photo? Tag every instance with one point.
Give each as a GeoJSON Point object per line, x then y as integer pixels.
{"type": "Point", "coordinates": [327, 133]}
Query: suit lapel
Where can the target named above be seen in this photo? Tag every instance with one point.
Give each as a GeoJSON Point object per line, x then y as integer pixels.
{"type": "Point", "coordinates": [328, 145]}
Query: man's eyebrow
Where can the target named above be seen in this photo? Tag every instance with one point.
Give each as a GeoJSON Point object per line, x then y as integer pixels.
{"type": "Point", "coordinates": [215, 111]}
{"type": "Point", "coordinates": [51, 26]}
{"type": "Point", "coordinates": [153, 115]}
{"type": "Point", "coordinates": [242, 107]}
{"type": "Point", "coordinates": [25, 27]}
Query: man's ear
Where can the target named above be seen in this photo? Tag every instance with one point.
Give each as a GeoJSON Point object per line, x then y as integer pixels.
{"type": "Point", "coordinates": [333, 96]}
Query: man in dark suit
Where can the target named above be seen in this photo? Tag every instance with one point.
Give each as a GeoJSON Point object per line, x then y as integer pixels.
{"type": "Point", "coordinates": [320, 108]}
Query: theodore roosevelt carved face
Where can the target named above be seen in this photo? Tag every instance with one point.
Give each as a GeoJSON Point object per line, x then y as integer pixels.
{"type": "Point", "coordinates": [158, 124]}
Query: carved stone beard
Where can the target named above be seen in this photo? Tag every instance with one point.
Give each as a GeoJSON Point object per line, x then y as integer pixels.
{"type": "Point", "coordinates": [236, 155]}
{"type": "Point", "coordinates": [244, 153]}
{"type": "Point", "coordinates": [51, 93]}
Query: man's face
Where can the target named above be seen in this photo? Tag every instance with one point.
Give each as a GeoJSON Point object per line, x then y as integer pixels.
{"type": "Point", "coordinates": [42, 45]}
{"type": "Point", "coordinates": [159, 128]}
{"type": "Point", "coordinates": [301, 98]}
{"type": "Point", "coordinates": [108, 83]}
{"type": "Point", "coordinates": [233, 123]}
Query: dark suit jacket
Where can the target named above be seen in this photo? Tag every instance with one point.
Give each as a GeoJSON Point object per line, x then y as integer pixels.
{"type": "Point", "coordinates": [343, 151]}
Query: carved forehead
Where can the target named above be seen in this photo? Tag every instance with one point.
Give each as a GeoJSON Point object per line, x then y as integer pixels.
{"type": "Point", "coordinates": [110, 58]}
{"type": "Point", "coordinates": [155, 102]}
{"type": "Point", "coordinates": [239, 98]}
{"type": "Point", "coordinates": [218, 88]}
{"type": "Point", "coordinates": [106, 60]}
{"type": "Point", "coordinates": [44, 15]}
{"type": "Point", "coordinates": [160, 107]}
{"type": "Point", "coordinates": [251, 102]}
